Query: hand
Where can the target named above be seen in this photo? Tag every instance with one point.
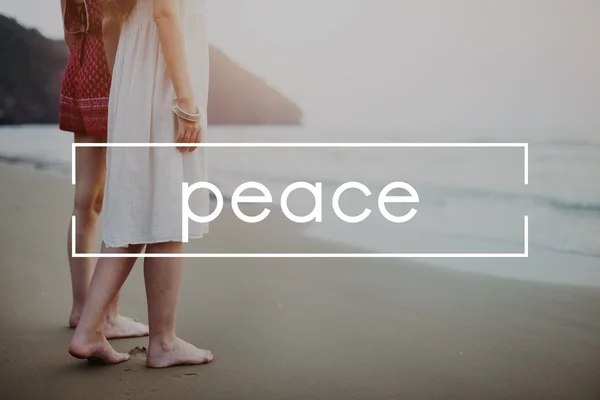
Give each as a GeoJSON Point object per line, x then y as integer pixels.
{"type": "Point", "coordinates": [187, 131]}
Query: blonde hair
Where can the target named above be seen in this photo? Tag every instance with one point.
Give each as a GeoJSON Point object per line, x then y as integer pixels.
{"type": "Point", "coordinates": [117, 8]}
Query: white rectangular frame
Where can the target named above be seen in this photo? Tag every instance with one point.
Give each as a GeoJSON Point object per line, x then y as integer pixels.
{"type": "Point", "coordinates": [524, 146]}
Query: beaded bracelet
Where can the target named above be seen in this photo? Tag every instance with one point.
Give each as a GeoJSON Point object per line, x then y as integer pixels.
{"type": "Point", "coordinates": [184, 115]}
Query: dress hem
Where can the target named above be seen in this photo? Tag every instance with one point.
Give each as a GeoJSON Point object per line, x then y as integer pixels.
{"type": "Point", "coordinates": [125, 244]}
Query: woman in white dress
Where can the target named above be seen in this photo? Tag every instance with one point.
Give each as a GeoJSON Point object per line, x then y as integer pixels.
{"type": "Point", "coordinates": [162, 56]}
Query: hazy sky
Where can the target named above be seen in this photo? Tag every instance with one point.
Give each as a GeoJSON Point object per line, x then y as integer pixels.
{"type": "Point", "coordinates": [421, 65]}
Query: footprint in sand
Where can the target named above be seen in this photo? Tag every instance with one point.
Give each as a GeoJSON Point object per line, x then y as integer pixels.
{"type": "Point", "coordinates": [137, 350]}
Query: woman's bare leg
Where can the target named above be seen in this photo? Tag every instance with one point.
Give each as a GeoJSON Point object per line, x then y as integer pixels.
{"type": "Point", "coordinates": [163, 281]}
{"type": "Point", "coordinates": [89, 340]}
{"type": "Point", "coordinates": [89, 193]}
{"type": "Point", "coordinates": [90, 175]}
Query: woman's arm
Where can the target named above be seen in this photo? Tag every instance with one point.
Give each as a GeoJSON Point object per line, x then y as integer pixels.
{"type": "Point", "coordinates": [166, 15]}
{"type": "Point", "coordinates": [172, 41]}
{"type": "Point", "coordinates": [111, 31]}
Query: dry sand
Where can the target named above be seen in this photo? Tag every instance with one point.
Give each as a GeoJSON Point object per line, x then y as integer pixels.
{"type": "Point", "coordinates": [291, 328]}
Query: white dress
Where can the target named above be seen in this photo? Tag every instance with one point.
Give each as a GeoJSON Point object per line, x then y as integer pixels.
{"type": "Point", "coordinates": [143, 191]}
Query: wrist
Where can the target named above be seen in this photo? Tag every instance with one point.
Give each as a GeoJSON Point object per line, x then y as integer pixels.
{"type": "Point", "coordinates": [188, 111]}
{"type": "Point", "coordinates": [187, 105]}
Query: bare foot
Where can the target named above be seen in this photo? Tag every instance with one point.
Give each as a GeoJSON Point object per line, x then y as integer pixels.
{"type": "Point", "coordinates": [179, 352]}
{"type": "Point", "coordinates": [74, 318]}
{"type": "Point", "coordinates": [124, 327]}
{"type": "Point", "coordinates": [116, 328]}
{"type": "Point", "coordinates": [97, 350]}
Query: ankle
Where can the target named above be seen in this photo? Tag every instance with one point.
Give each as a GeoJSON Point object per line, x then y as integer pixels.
{"type": "Point", "coordinates": [90, 333]}
{"type": "Point", "coordinates": [112, 317]}
{"type": "Point", "coordinates": [164, 342]}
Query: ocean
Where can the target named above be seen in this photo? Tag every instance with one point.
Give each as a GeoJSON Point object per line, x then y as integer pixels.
{"type": "Point", "coordinates": [470, 200]}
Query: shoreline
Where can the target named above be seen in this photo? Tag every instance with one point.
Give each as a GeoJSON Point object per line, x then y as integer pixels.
{"type": "Point", "coordinates": [586, 275]}
{"type": "Point", "coordinates": [277, 222]}
{"type": "Point", "coordinates": [562, 227]}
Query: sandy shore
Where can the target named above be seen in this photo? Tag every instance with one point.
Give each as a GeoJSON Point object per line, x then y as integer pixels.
{"type": "Point", "coordinates": [292, 328]}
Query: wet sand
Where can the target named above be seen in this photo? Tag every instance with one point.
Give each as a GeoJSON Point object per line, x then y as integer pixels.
{"type": "Point", "coordinates": [291, 328]}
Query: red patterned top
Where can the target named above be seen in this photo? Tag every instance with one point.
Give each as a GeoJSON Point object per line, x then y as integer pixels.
{"type": "Point", "coordinates": [86, 81]}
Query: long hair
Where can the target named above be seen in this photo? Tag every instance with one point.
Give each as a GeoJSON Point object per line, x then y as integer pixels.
{"type": "Point", "coordinates": [120, 9]}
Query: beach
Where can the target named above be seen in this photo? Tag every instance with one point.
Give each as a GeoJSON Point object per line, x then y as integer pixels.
{"type": "Point", "coordinates": [291, 328]}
